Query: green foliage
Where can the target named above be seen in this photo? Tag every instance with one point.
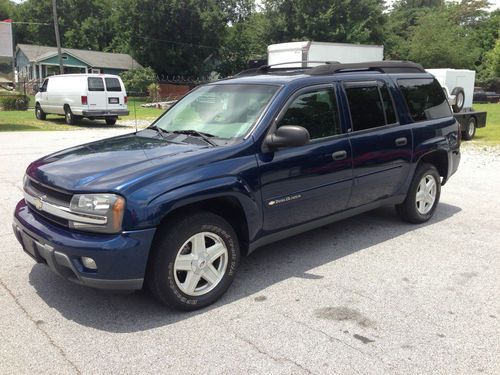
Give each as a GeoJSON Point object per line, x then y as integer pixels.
{"type": "Point", "coordinates": [137, 80]}
{"type": "Point", "coordinates": [439, 42]}
{"type": "Point", "coordinates": [6, 9]}
{"type": "Point", "coordinates": [154, 92]}
{"type": "Point", "coordinates": [14, 102]}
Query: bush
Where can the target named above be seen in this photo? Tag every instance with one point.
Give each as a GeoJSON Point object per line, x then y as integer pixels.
{"type": "Point", "coordinates": [136, 81]}
{"type": "Point", "coordinates": [154, 92]}
{"type": "Point", "coordinates": [14, 102]}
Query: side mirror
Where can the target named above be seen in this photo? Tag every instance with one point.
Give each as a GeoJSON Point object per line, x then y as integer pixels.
{"type": "Point", "coordinates": [286, 136]}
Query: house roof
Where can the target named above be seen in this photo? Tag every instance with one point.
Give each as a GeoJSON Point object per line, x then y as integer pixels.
{"type": "Point", "coordinates": [94, 59]}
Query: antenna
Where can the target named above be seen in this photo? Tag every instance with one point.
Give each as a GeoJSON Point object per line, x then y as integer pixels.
{"type": "Point", "coordinates": [135, 117]}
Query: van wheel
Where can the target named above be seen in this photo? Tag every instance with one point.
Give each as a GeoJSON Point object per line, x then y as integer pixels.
{"type": "Point", "coordinates": [423, 196]}
{"type": "Point", "coordinates": [69, 117]}
{"type": "Point", "coordinates": [193, 262]}
{"type": "Point", "coordinates": [459, 99]}
{"type": "Point", "coordinates": [110, 120]}
{"type": "Point", "coordinates": [470, 130]}
{"type": "Point", "coordinates": [39, 113]}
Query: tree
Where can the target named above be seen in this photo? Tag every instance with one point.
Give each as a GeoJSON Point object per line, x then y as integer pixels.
{"type": "Point", "coordinates": [6, 9]}
{"type": "Point", "coordinates": [347, 21]}
{"type": "Point", "coordinates": [438, 41]}
{"type": "Point", "coordinates": [136, 81]}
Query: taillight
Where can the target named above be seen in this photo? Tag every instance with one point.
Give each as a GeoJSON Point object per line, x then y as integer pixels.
{"type": "Point", "coordinates": [125, 99]}
{"type": "Point", "coordinates": [84, 100]}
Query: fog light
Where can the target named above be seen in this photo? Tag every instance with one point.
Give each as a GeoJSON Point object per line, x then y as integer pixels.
{"type": "Point", "coordinates": [89, 263]}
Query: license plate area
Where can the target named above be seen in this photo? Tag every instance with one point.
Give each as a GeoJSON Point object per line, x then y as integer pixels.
{"type": "Point", "coordinates": [113, 100]}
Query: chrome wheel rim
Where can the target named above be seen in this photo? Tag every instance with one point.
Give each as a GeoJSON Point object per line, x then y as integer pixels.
{"type": "Point", "coordinates": [200, 264]}
{"type": "Point", "coordinates": [68, 116]}
{"type": "Point", "coordinates": [38, 113]}
{"type": "Point", "coordinates": [426, 194]}
{"type": "Point", "coordinates": [460, 100]}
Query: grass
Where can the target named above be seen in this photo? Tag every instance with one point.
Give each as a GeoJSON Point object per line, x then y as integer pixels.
{"type": "Point", "coordinates": [489, 135]}
{"type": "Point", "coordinates": [26, 121]}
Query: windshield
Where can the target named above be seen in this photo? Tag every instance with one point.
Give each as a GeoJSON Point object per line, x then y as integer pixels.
{"type": "Point", "coordinates": [222, 111]}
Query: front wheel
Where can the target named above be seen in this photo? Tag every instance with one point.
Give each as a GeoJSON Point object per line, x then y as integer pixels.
{"type": "Point", "coordinates": [39, 113]}
{"type": "Point", "coordinates": [193, 262]}
{"type": "Point", "coordinates": [423, 196]}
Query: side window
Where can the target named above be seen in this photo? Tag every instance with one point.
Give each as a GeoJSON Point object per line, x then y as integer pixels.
{"type": "Point", "coordinates": [112, 84]}
{"type": "Point", "coordinates": [365, 104]}
{"type": "Point", "coordinates": [95, 84]}
{"type": "Point", "coordinates": [316, 111]}
{"type": "Point", "coordinates": [425, 98]}
{"type": "Point", "coordinates": [44, 86]}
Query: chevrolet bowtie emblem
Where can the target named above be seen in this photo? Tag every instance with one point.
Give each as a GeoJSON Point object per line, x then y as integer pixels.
{"type": "Point", "coordinates": [38, 203]}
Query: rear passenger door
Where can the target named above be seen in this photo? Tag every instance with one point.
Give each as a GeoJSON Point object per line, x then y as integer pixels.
{"type": "Point", "coordinates": [381, 147]}
{"type": "Point", "coordinates": [96, 94]}
{"type": "Point", "coordinates": [300, 184]}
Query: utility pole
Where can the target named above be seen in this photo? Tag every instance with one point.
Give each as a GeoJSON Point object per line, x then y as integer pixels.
{"type": "Point", "coordinates": [58, 40]}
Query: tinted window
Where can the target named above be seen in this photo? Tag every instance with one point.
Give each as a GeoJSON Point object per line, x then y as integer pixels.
{"type": "Point", "coordinates": [316, 111]}
{"type": "Point", "coordinates": [366, 107]}
{"type": "Point", "coordinates": [390, 113]}
{"type": "Point", "coordinates": [425, 98]}
{"type": "Point", "coordinates": [95, 84]}
{"type": "Point", "coordinates": [112, 84]}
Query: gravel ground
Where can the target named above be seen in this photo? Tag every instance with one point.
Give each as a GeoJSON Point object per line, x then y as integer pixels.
{"type": "Point", "coordinates": [368, 295]}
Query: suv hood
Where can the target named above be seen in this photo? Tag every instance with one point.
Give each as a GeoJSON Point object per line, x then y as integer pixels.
{"type": "Point", "coordinates": [110, 164]}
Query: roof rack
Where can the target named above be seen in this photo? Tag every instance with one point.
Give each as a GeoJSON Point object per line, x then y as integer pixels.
{"type": "Point", "coordinates": [387, 66]}
{"type": "Point", "coordinates": [267, 68]}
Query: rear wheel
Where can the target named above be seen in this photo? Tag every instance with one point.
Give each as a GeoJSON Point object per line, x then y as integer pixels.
{"type": "Point", "coordinates": [470, 129]}
{"type": "Point", "coordinates": [110, 120]}
{"type": "Point", "coordinates": [423, 196]}
{"type": "Point", "coordinates": [193, 262]}
{"type": "Point", "coordinates": [69, 117]}
{"type": "Point", "coordinates": [39, 113]}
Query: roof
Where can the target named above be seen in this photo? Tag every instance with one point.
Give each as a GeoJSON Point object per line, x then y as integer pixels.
{"type": "Point", "coordinates": [95, 59]}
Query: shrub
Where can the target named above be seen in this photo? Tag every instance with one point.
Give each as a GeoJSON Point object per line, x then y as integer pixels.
{"type": "Point", "coordinates": [136, 81]}
{"type": "Point", "coordinates": [154, 92]}
{"type": "Point", "coordinates": [14, 102]}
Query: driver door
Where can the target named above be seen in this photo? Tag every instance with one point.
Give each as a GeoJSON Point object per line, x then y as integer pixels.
{"type": "Point", "coordinates": [300, 184]}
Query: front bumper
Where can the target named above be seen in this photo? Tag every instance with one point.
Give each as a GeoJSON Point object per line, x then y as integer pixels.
{"type": "Point", "coordinates": [121, 258]}
{"type": "Point", "coordinates": [107, 113]}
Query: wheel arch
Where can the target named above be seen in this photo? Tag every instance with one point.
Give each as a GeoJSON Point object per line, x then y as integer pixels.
{"type": "Point", "coordinates": [438, 158]}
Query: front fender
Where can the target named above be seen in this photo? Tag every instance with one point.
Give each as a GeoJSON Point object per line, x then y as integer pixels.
{"type": "Point", "coordinates": [221, 187]}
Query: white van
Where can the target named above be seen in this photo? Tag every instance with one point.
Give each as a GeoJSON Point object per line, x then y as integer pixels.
{"type": "Point", "coordinates": [94, 96]}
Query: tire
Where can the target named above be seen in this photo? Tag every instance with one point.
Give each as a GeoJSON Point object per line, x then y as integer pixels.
{"type": "Point", "coordinates": [69, 117]}
{"type": "Point", "coordinates": [417, 211]}
{"type": "Point", "coordinates": [174, 261]}
{"type": "Point", "coordinates": [39, 113]}
{"type": "Point", "coordinates": [459, 99]}
{"type": "Point", "coordinates": [470, 129]}
{"type": "Point", "coordinates": [110, 120]}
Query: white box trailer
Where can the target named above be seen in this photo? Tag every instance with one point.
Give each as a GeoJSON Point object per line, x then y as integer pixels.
{"type": "Point", "coordinates": [458, 85]}
{"type": "Point", "coordinates": [300, 53]}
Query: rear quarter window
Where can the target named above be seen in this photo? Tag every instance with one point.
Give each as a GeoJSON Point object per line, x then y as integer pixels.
{"type": "Point", "coordinates": [425, 98]}
{"type": "Point", "coordinates": [95, 84]}
{"type": "Point", "coordinates": [113, 84]}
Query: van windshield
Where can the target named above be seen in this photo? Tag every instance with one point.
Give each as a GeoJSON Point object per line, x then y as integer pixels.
{"type": "Point", "coordinates": [225, 111]}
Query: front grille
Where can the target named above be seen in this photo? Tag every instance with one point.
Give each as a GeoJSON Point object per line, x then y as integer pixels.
{"type": "Point", "coordinates": [52, 195]}
{"type": "Point", "coordinates": [49, 217]}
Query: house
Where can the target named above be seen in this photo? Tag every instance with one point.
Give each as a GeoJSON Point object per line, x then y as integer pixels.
{"type": "Point", "coordinates": [37, 62]}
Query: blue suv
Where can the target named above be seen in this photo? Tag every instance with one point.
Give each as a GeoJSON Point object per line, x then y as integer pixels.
{"type": "Point", "coordinates": [235, 165]}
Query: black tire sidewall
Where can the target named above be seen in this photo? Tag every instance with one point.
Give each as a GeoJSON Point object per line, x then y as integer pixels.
{"type": "Point", "coordinates": [467, 135]}
{"type": "Point", "coordinates": [165, 251]}
{"type": "Point", "coordinates": [110, 120]}
{"type": "Point", "coordinates": [39, 114]}
{"type": "Point", "coordinates": [457, 92]}
{"type": "Point", "coordinates": [71, 119]}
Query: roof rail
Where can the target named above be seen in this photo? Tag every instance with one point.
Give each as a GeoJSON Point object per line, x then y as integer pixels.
{"type": "Point", "coordinates": [266, 68]}
{"type": "Point", "coordinates": [387, 66]}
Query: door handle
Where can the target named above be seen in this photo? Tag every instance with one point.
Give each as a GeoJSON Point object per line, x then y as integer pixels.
{"type": "Point", "coordinates": [401, 141]}
{"type": "Point", "coordinates": [339, 155]}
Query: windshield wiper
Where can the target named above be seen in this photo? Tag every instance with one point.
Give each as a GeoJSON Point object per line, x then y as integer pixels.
{"type": "Point", "coordinates": [159, 130]}
{"type": "Point", "coordinates": [196, 133]}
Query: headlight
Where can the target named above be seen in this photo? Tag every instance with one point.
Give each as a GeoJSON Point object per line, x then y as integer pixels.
{"type": "Point", "coordinates": [106, 206]}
